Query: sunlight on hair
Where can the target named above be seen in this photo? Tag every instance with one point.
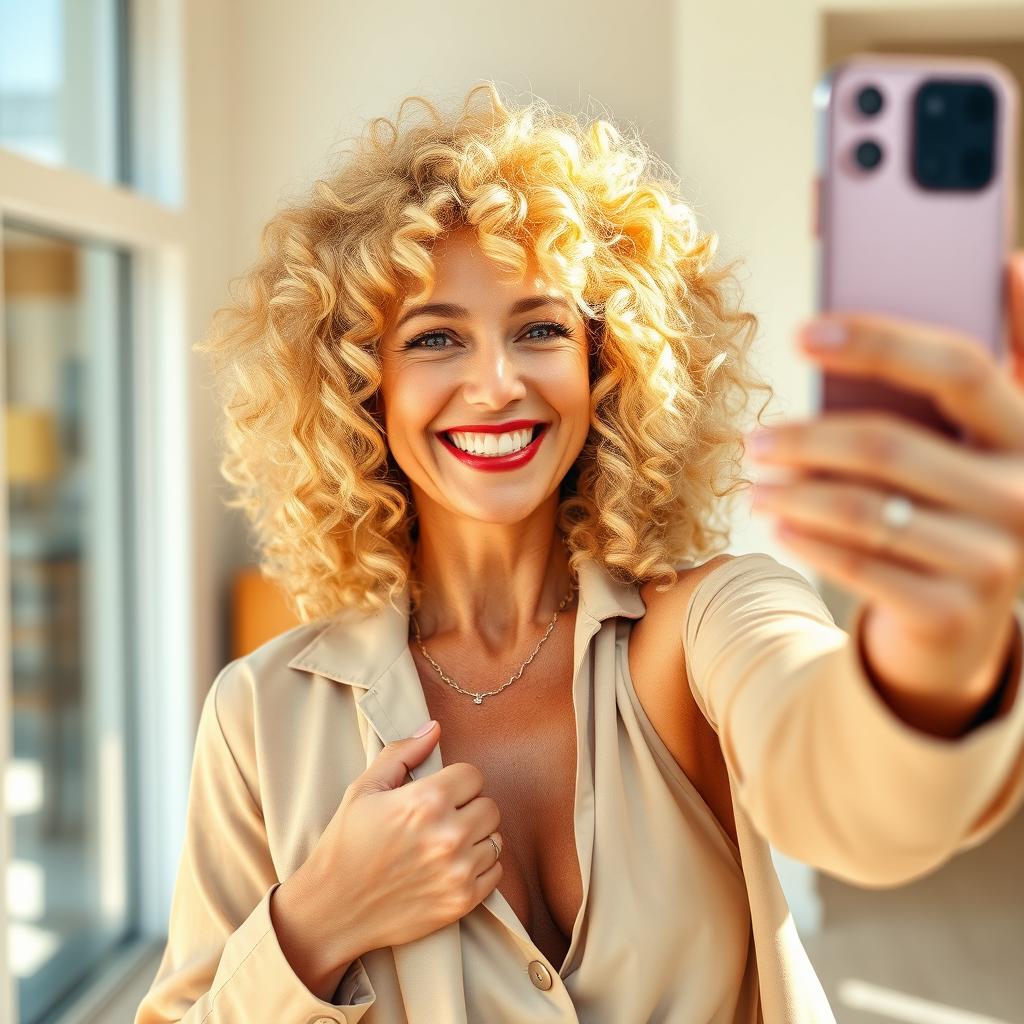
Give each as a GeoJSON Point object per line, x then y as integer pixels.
{"type": "Point", "coordinates": [893, 1005]}
{"type": "Point", "coordinates": [296, 364]}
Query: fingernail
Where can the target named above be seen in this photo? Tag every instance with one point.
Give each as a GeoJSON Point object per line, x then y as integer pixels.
{"type": "Point", "coordinates": [826, 334]}
{"type": "Point", "coordinates": [760, 441]}
{"type": "Point", "coordinates": [424, 729]}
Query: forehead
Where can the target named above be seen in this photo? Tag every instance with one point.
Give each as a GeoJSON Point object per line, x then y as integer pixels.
{"type": "Point", "coordinates": [464, 271]}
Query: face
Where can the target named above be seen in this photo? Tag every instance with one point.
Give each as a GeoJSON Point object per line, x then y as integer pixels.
{"type": "Point", "coordinates": [517, 352]}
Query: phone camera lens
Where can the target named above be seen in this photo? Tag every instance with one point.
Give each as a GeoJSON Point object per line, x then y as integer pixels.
{"type": "Point", "coordinates": [976, 167]}
{"type": "Point", "coordinates": [869, 100]}
{"type": "Point", "coordinates": [869, 154]}
{"type": "Point", "coordinates": [953, 148]}
{"type": "Point", "coordinates": [933, 167]}
{"type": "Point", "coordinates": [979, 104]}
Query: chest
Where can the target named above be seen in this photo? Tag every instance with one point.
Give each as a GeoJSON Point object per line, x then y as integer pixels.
{"type": "Point", "coordinates": [523, 741]}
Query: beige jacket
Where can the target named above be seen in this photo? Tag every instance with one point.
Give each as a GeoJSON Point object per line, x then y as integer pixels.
{"type": "Point", "coordinates": [677, 923]}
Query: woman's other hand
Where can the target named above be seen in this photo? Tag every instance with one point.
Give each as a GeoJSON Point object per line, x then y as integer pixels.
{"type": "Point", "coordinates": [398, 861]}
{"type": "Point", "coordinates": [939, 624]}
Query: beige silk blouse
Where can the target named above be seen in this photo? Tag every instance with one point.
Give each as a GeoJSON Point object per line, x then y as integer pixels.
{"type": "Point", "coordinates": [677, 924]}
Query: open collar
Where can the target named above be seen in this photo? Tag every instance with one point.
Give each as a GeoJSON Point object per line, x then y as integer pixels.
{"type": "Point", "coordinates": [360, 648]}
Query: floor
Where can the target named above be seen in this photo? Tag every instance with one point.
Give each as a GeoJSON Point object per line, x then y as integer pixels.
{"type": "Point", "coordinates": [946, 949]}
{"type": "Point", "coordinates": [121, 1009]}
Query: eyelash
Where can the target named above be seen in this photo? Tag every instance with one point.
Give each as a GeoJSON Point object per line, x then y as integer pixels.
{"type": "Point", "coordinates": [559, 329]}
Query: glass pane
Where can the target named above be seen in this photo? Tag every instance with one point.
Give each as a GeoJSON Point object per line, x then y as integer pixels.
{"type": "Point", "coordinates": [65, 437]}
{"type": "Point", "coordinates": [59, 83]}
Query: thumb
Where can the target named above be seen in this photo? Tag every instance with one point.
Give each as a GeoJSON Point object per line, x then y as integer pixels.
{"type": "Point", "coordinates": [392, 764]}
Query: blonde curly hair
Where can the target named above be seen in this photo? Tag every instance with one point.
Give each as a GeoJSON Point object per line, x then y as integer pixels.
{"type": "Point", "coordinates": [295, 352]}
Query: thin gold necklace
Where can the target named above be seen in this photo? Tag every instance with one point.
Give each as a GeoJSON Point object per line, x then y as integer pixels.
{"type": "Point", "coordinates": [478, 698]}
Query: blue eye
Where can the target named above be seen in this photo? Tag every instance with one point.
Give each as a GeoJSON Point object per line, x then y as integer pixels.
{"type": "Point", "coordinates": [418, 342]}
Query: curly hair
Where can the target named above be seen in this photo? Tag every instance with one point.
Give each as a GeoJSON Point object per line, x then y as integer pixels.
{"type": "Point", "coordinates": [295, 352]}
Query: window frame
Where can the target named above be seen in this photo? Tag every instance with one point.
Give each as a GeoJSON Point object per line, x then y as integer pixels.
{"type": "Point", "coordinates": [148, 220]}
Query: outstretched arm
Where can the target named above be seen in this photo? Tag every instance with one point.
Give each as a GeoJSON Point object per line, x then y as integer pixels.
{"type": "Point", "coordinates": [826, 770]}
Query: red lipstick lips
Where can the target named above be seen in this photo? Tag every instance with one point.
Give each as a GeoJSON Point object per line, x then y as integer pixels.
{"type": "Point", "coordinates": [497, 462]}
{"type": "Point", "coordinates": [494, 428]}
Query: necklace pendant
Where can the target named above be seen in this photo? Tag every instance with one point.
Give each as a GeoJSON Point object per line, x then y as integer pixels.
{"type": "Point", "coordinates": [478, 698]}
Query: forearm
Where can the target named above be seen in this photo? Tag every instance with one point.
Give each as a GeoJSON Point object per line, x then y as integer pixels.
{"type": "Point", "coordinates": [313, 956]}
{"type": "Point", "coordinates": [984, 696]}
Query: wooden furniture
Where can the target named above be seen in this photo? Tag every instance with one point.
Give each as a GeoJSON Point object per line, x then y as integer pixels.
{"type": "Point", "coordinates": [259, 611]}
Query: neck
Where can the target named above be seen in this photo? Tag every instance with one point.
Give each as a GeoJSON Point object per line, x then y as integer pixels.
{"type": "Point", "coordinates": [494, 597]}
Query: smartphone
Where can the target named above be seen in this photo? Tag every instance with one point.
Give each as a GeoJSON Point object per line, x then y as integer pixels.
{"type": "Point", "coordinates": [916, 207]}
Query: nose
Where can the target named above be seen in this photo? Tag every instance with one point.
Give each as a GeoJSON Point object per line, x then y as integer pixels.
{"type": "Point", "coordinates": [494, 377]}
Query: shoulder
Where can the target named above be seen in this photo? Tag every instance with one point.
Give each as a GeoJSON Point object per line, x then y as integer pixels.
{"type": "Point", "coordinates": [250, 710]}
{"type": "Point", "coordinates": [753, 576]}
{"type": "Point", "coordinates": [260, 679]}
{"type": "Point", "coordinates": [661, 603]}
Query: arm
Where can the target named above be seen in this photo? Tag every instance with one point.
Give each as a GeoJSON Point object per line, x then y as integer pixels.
{"type": "Point", "coordinates": [824, 768]}
{"type": "Point", "coordinates": [224, 962]}
{"type": "Point", "coordinates": [293, 919]}
{"type": "Point", "coordinates": [997, 687]}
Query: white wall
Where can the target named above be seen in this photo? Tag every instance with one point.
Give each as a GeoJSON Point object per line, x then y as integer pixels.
{"type": "Point", "coordinates": [208, 197]}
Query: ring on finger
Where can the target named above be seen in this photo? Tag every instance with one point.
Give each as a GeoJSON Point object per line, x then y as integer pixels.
{"type": "Point", "coordinates": [896, 514]}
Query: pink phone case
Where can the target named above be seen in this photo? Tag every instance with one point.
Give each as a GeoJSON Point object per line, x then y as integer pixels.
{"type": "Point", "coordinates": [890, 244]}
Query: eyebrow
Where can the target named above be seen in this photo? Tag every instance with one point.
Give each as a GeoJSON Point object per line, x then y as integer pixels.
{"type": "Point", "coordinates": [456, 312]}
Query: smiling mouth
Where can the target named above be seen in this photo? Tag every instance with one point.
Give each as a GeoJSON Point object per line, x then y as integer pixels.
{"type": "Point", "coordinates": [537, 428]}
{"type": "Point", "coordinates": [536, 432]}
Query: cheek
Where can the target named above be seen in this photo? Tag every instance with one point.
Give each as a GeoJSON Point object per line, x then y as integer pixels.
{"type": "Point", "coordinates": [568, 383]}
{"type": "Point", "coordinates": [411, 399]}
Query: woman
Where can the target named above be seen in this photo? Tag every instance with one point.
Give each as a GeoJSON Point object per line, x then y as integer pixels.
{"type": "Point", "coordinates": [613, 728]}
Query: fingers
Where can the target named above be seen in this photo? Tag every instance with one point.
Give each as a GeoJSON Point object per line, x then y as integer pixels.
{"type": "Point", "coordinates": [935, 541]}
{"type": "Point", "coordinates": [936, 606]}
{"type": "Point", "coordinates": [884, 449]}
{"type": "Point", "coordinates": [460, 783]}
{"type": "Point", "coordinates": [1015, 295]}
{"type": "Point", "coordinates": [954, 369]}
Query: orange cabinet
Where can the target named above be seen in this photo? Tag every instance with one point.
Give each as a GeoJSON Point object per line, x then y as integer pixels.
{"type": "Point", "coordinates": [259, 611]}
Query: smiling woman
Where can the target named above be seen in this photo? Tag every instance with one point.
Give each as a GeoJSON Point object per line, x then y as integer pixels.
{"type": "Point", "coordinates": [598, 259]}
{"type": "Point", "coordinates": [483, 391]}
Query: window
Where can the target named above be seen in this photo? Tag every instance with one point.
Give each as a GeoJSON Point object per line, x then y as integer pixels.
{"type": "Point", "coordinates": [60, 71]}
{"type": "Point", "coordinates": [97, 706]}
{"type": "Point", "coordinates": [65, 367]}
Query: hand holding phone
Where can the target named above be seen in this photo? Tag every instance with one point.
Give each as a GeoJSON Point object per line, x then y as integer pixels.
{"type": "Point", "coordinates": [909, 488]}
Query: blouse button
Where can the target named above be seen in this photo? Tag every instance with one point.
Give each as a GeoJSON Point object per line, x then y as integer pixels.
{"type": "Point", "coordinates": [540, 975]}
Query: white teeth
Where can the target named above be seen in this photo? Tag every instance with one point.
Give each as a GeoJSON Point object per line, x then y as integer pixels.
{"type": "Point", "coordinates": [492, 444]}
